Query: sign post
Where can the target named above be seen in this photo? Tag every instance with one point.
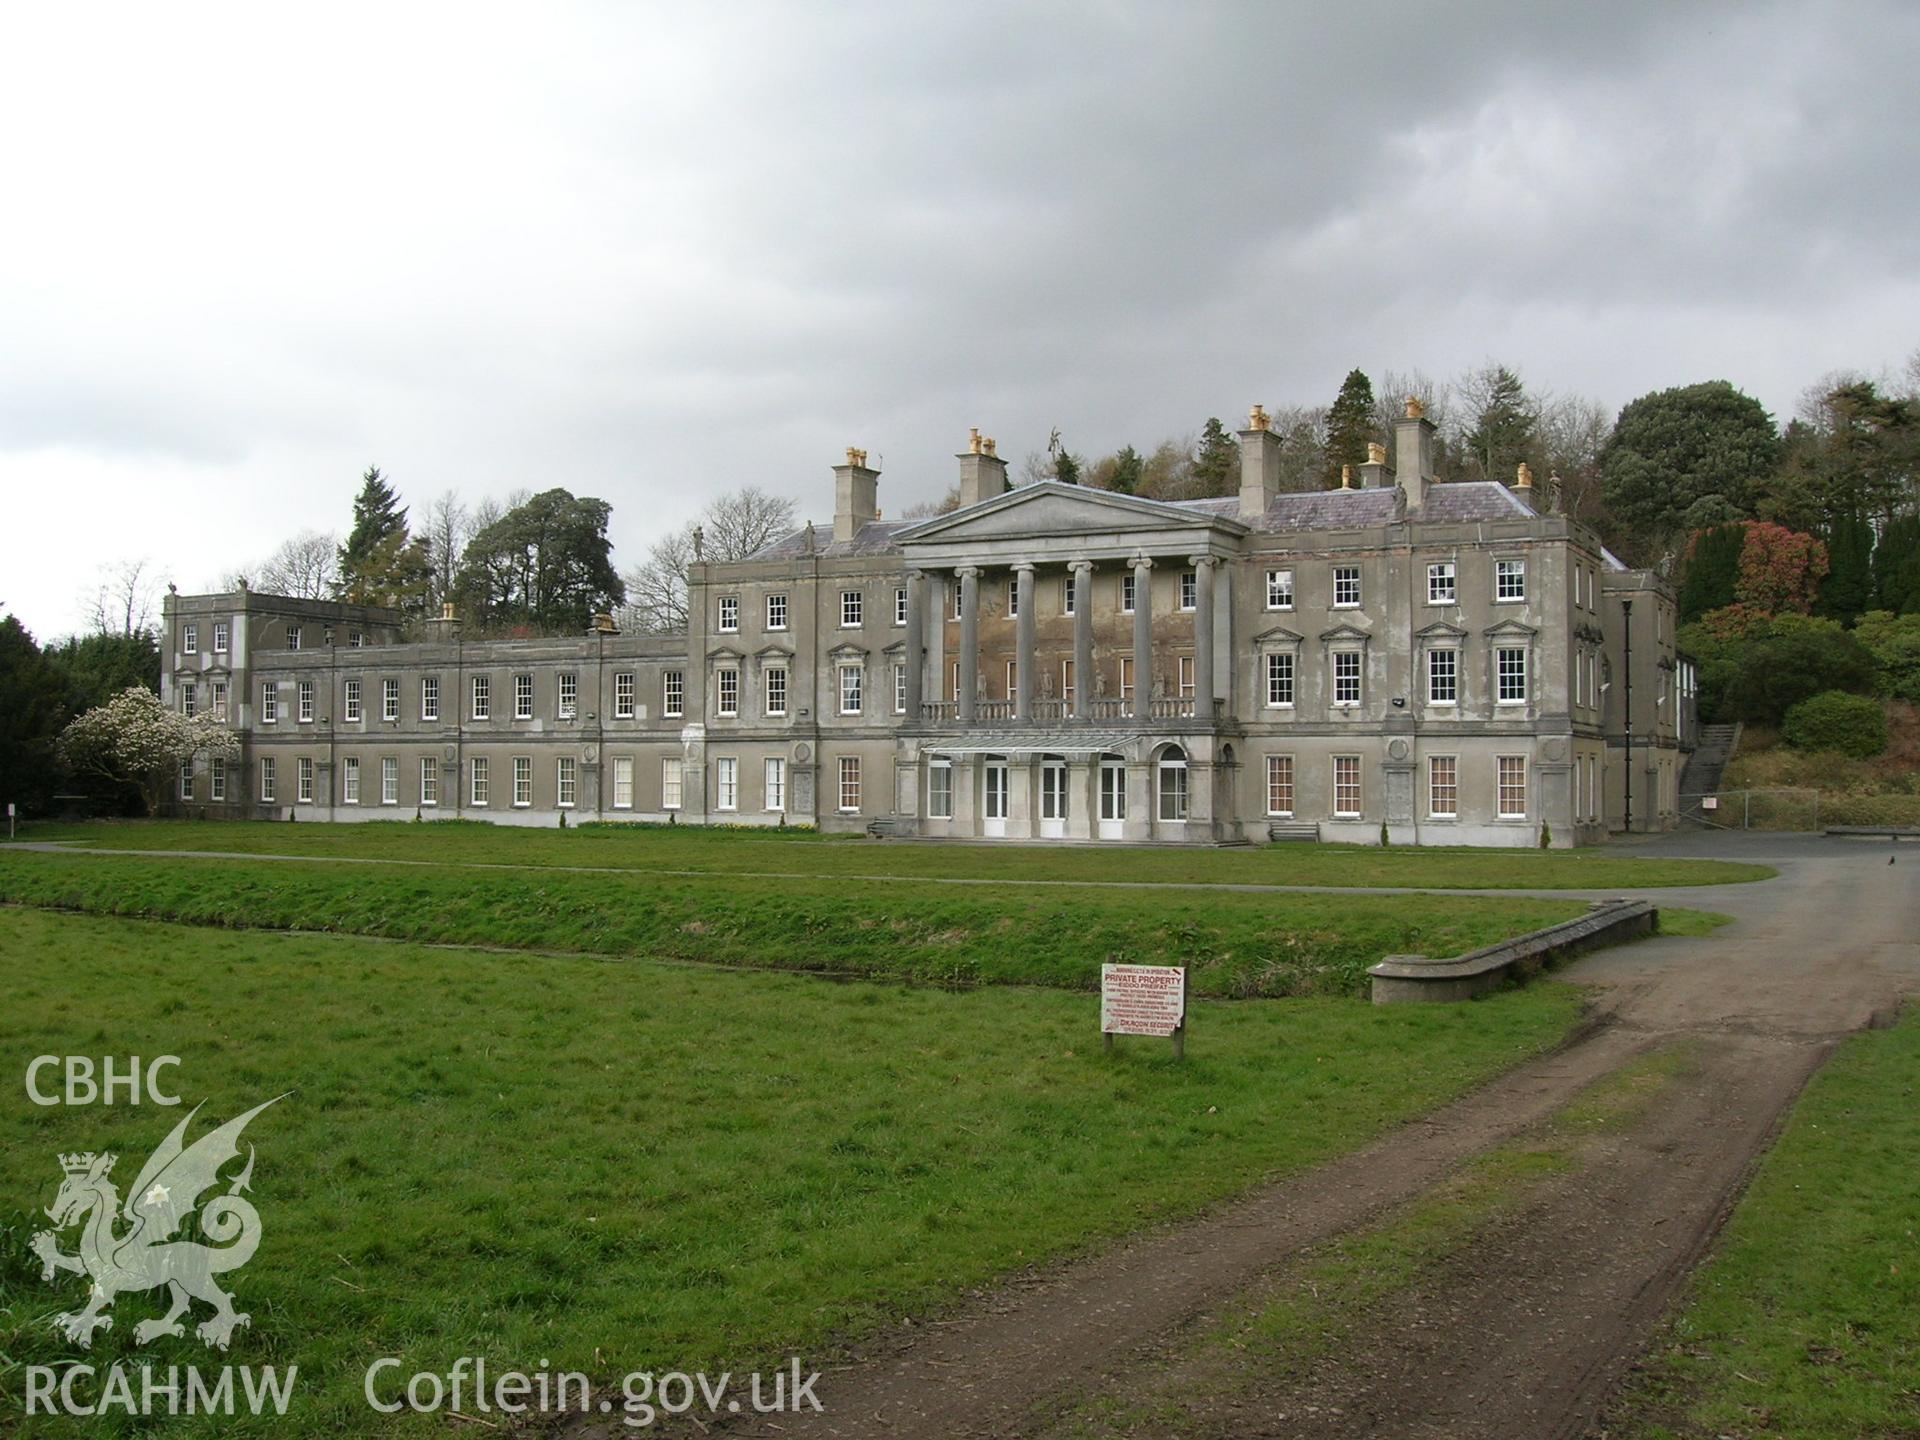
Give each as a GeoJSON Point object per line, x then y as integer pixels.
{"type": "Point", "coordinates": [1144, 1000]}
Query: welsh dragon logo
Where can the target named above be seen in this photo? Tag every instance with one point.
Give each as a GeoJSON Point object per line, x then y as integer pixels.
{"type": "Point", "coordinates": [147, 1254]}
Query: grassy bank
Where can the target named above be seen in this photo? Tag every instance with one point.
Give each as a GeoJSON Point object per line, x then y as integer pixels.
{"type": "Point", "coordinates": [615, 1166]}
{"type": "Point", "coordinates": [1235, 944]}
{"type": "Point", "coordinates": [1806, 1322]}
{"type": "Point", "coordinates": [646, 847]}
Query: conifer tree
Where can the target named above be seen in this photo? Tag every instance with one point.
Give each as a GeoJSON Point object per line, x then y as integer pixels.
{"type": "Point", "coordinates": [1713, 570]}
{"type": "Point", "coordinates": [1847, 592]}
{"type": "Point", "coordinates": [1896, 566]}
{"type": "Point", "coordinates": [1216, 463]}
{"type": "Point", "coordinates": [1350, 425]}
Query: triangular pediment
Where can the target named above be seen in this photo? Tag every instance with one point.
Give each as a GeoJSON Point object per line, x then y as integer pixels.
{"type": "Point", "coordinates": [1511, 628]}
{"type": "Point", "coordinates": [1051, 508]}
{"type": "Point", "coordinates": [1348, 633]}
{"type": "Point", "coordinates": [1441, 630]}
{"type": "Point", "coordinates": [1278, 635]}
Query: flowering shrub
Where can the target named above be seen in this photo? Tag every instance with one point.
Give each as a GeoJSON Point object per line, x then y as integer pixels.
{"type": "Point", "coordinates": [1780, 569]}
{"type": "Point", "coordinates": [134, 739]}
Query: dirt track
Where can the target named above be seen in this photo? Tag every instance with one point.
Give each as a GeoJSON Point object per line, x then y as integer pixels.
{"type": "Point", "coordinates": [1525, 1332]}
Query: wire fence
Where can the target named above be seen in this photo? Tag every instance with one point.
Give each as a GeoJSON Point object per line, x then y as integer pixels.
{"type": "Point", "coordinates": [1774, 809]}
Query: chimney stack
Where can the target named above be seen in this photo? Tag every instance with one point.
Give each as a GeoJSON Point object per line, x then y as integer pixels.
{"type": "Point", "coordinates": [1523, 485]}
{"type": "Point", "coordinates": [856, 493]}
{"type": "Point", "coordinates": [1413, 452]}
{"type": "Point", "coordinates": [983, 474]}
{"type": "Point", "coordinates": [1375, 475]}
{"type": "Point", "coordinates": [1259, 465]}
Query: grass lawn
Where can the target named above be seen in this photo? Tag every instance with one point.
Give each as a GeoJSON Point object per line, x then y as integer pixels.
{"type": "Point", "coordinates": [616, 1165]}
{"type": "Point", "coordinates": [1806, 1321]}
{"type": "Point", "coordinates": [1235, 943]}
{"type": "Point", "coordinates": [805, 852]}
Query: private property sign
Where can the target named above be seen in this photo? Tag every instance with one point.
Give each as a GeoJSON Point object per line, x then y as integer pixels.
{"type": "Point", "coordinates": [1144, 1000]}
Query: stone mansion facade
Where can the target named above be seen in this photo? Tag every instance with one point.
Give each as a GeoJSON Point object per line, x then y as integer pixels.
{"type": "Point", "coordinates": [1438, 664]}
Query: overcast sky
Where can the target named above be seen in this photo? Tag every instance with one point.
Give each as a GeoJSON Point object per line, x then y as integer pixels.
{"type": "Point", "coordinates": [651, 253]}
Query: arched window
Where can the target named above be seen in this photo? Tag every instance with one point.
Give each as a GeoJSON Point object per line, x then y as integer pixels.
{"type": "Point", "coordinates": [1173, 783]}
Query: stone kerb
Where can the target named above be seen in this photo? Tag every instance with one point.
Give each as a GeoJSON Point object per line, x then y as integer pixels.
{"type": "Point", "coordinates": [1402, 978]}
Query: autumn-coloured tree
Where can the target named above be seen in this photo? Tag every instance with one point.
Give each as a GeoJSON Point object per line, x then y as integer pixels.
{"type": "Point", "coordinates": [1780, 570]}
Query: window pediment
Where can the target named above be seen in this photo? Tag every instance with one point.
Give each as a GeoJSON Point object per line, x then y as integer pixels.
{"type": "Point", "coordinates": [1441, 633]}
{"type": "Point", "coordinates": [1344, 635]}
{"type": "Point", "coordinates": [1277, 636]}
{"type": "Point", "coordinates": [1510, 630]}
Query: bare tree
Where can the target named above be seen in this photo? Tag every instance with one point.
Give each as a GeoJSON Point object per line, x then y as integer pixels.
{"type": "Point", "coordinates": [307, 567]}
{"type": "Point", "coordinates": [928, 509]}
{"type": "Point", "coordinates": [448, 527]}
{"type": "Point", "coordinates": [1573, 430]}
{"type": "Point", "coordinates": [1167, 473]}
{"type": "Point", "coordinates": [733, 527]}
{"type": "Point", "coordinates": [1908, 386]}
{"type": "Point", "coordinates": [743, 521]}
{"type": "Point", "coordinates": [657, 586]}
{"type": "Point", "coordinates": [1396, 387]}
{"type": "Point", "coordinates": [124, 600]}
{"type": "Point", "coordinates": [1303, 446]}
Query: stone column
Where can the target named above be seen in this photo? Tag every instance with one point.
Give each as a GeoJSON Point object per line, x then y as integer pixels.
{"type": "Point", "coordinates": [969, 642]}
{"type": "Point", "coordinates": [1023, 642]}
{"type": "Point", "coordinates": [1200, 795]}
{"type": "Point", "coordinates": [1141, 800]}
{"type": "Point", "coordinates": [1083, 796]}
{"type": "Point", "coordinates": [1142, 635]}
{"type": "Point", "coordinates": [1202, 636]}
{"type": "Point", "coordinates": [935, 635]}
{"type": "Point", "coordinates": [916, 660]}
{"type": "Point", "coordinates": [1082, 572]}
{"type": "Point", "coordinates": [966, 788]}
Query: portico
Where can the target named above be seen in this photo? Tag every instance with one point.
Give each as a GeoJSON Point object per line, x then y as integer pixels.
{"type": "Point", "coordinates": [1105, 615]}
{"type": "Point", "coordinates": [1132, 576]}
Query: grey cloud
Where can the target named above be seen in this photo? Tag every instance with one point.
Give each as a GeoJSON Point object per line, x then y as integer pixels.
{"type": "Point", "coordinates": [653, 254]}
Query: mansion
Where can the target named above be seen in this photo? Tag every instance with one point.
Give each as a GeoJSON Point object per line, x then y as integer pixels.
{"type": "Point", "coordinates": [1397, 659]}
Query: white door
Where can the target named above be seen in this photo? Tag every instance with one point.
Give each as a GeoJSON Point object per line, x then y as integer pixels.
{"type": "Point", "coordinates": [994, 811]}
{"type": "Point", "coordinates": [1113, 799]}
{"type": "Point", "coordinates": [1053, 799]}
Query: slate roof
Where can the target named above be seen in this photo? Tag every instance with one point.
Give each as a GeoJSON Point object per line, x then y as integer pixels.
{"type": "Point", "coordinates": [875, 538]}
{"type": "Point", "coordinates": [1461, 502]}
